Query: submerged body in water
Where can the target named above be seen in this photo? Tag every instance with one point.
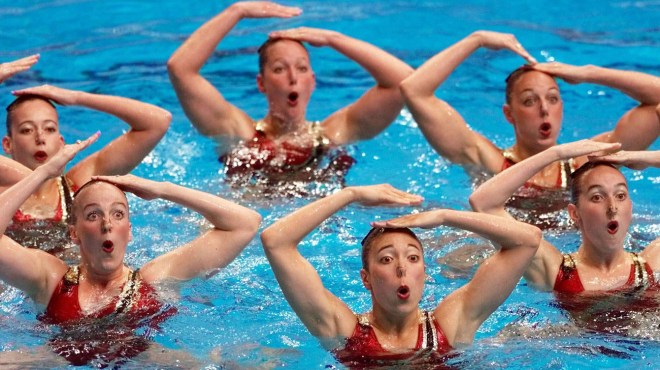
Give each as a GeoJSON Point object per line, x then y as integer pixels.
{"type": "Point", "coordinates": [299, 165]}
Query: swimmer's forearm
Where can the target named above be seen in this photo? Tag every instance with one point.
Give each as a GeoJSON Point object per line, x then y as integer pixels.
{"type": "Point", "coordinates": [140, 116]}
{"type": "Point", "coordinates": [223, 214]}
{"type": "Point", "coordinates": [492, 195]}
{"type": "Point", "coordinates": [386, 69]}
{"type": "Point", "coordinates": [12, 198]}
{"type": "Point", "coordinates": [505, 232]}
{"type": "Point", "coordinates": [197, 49]}
{"type": "Point", "coordinates": [292, 229]}
{"type": "Point", "coordinates": [430, 75]}
{"type": "Point", "coordinates": [644, 88]}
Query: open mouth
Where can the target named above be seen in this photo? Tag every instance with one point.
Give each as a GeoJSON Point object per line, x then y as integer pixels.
{"type": "Point", "coordinates": [403, 292]}
{"type": "Point", "coordinates": [41, 156]}
{"type": "Point", "coordinates": [293, 98]}
{"type": "Point", "coordinates": [612, 227]}
{"type": "Point", "coordinates": [108, 246]}
{"type": "Point", "coordinates": [545, 129]}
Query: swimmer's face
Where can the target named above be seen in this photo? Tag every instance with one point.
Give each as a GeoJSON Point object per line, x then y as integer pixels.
{"type": "Point", "coordinates": [535, 110]}
{"type": "Point", "coordinates": [35, 135]}
{"type": "Point", "coordinates": [101, 227]}
{"type": "Point", "coordinates": [395, 272]}
{"type": "Point", "coordinates": [287, 79]}
{"type": "Point", "coordinates": [604, 210]}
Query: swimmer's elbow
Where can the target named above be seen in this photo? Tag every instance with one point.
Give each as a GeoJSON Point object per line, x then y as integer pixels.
{"type": "Point", "coordinates": [408, 90]}
{"type": "Point", "coordinates": [535, 235]}
{"type": "Point", "coordinates": [253, 222]}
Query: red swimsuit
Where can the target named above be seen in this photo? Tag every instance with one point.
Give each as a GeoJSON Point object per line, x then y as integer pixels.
{"type": "Point", "coordinates": [107, 335]}
{"type": "Point", "coordinates": [612, 311]}
{"type": "Point", "coordinates": [568, 279]}
{"type": "Point", "coordinates": [264, 160]}
{"type": "Point", "coordinates": [51, 234]}
{"type": "Point", "coordinates": [362, 349]}
{"type": "Point", "coordinates": [539, 205]}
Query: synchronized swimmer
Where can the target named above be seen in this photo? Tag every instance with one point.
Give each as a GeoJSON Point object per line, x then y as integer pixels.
{"type": "Point", "coordinates": [86, 206]}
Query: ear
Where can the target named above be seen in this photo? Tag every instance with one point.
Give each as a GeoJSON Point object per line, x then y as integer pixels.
{"type": "Point", "coordinates": [365, 279]}
{"type": "Point", "coordinates": [62, 141]}
{"type": "Point", "coordinates": [574, 214]}
{"type": "Point", "coordinates": [6, 144]}
{"type": "Point", "coordinates": [73, 235]}
{"type": "Point", "coordinates": [260, 83]}
{"type": "Point", "coordinates": [506, 109]}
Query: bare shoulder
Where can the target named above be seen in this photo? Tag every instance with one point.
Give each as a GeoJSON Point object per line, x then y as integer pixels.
{"type": "Point", "coordinates": [652, 254]}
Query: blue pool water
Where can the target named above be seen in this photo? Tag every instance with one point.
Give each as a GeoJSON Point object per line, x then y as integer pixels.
{"type": "Point", "coordinates": [239, 317]}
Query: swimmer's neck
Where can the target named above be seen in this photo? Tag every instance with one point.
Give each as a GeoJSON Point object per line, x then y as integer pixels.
{"type": "Point", "coordinates": [278, 126]}
{"type": "Point", "coordinates": [603, 261]}
{"type": "Point", "coordinates": [103, 281]}
{"type": "Point", "coordinates": [395, 326]}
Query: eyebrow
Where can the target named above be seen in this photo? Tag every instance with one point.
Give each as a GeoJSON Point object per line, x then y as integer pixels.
{"type": "Point", "coordinates": [598, 186]}
{"type": "Point", "coordinates": [98, 205]}
{"type": "Point", "coordinates": [392, 246]}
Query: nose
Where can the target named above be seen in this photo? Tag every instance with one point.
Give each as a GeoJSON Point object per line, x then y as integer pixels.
{"type": "Point", "coordinates": [544, 107]}
{"type": "Point", "coordinates": [293, 76]}
{"type": "Point", "coordinates": [106, 225]}
{"type": "Point", "coordinates": [39, 138]}
{"type": "Point", "coordinates": [400, 271]}
{"type": "Point", "coordinates": [612, 208]}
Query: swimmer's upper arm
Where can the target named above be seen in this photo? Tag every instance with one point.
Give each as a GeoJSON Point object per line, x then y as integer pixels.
{"type": "Point", "coordinates": [652, 254]}
{"type": "Point", "coordinates": [637, 129]}
{"type": "Point", "coordinates": [447, 132]}
{"type": "Point", "coordinates": [33, 271]}
{"type": "Point", "coordinates": [209, 112]}
{"type": "Point", "coordinates": [324, 315]}
{"type": "Point", "coordinates": [544, 267]}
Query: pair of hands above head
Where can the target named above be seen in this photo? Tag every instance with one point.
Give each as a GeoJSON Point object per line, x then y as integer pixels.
{"type": "Point", "coordinates": [497, 41]}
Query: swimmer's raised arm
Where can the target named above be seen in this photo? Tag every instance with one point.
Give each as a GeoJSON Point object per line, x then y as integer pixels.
{"type": "Point", "coordinates": [234, 227]}
{"type": "Point", "coordinates": [637, 160]}
{"type": "Point", "coordinates": [638, 128]}
{"type": "Point", "coordinates": [31, 270]}
{"type": "Point", "coordinates": [462, 312]}
{"type": "Point", "coordinates": [148, 124]}
{"type": "Point", "coordinates": [324, 315]}
{"type": "Point", "coordinates": [203, 104]}
{"type": "Point", "coordinates": [380, 105]}
{"type": "Point", "coordinates": [492, 195]}
{"type": "Point", "coordinates": [11, 172]}
{"type": "Point", "coordinates": [9, 69]}
{"type": "Point", "coordinates": [441, 124]}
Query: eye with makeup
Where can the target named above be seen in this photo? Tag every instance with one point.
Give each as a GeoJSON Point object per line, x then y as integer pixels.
{"type": "Point", "coordinates": [92, 216]}
{"type": "Point", "coordinates": [596, 197]}
{"type": "Point", "coordinates": [385, 259]}
{"type": "Point", "coordinates": [529, 101]}
{"type": "Point", "coordinates": [118, 214]}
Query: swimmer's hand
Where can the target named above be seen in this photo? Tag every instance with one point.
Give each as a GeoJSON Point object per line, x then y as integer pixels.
{"type": "Point", "coordinates": [17, 66]}
{"type": "Point", "coordinates": [569, 73]}
{"type": "Point", "coordinates": [56, 94]}
{"type": "Point", "coordinates": [585, 147]}
{"type": "Point", "coordinates": [313, 36]}
{"type": "Point", "coordinates": [636, 160]}
{"type": "Point", "coordinates": [498, 41]}
{"type": "Point", "coordinates": [383, 195]}
{"type": "Point", "coordinates": [265, 9]}
{"type": "Point", "coordinates": [55, 166]}
{"type": "Point", "coordinates": [425, 220]}
{"type": "Point", "coordinates": [141, 187]}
